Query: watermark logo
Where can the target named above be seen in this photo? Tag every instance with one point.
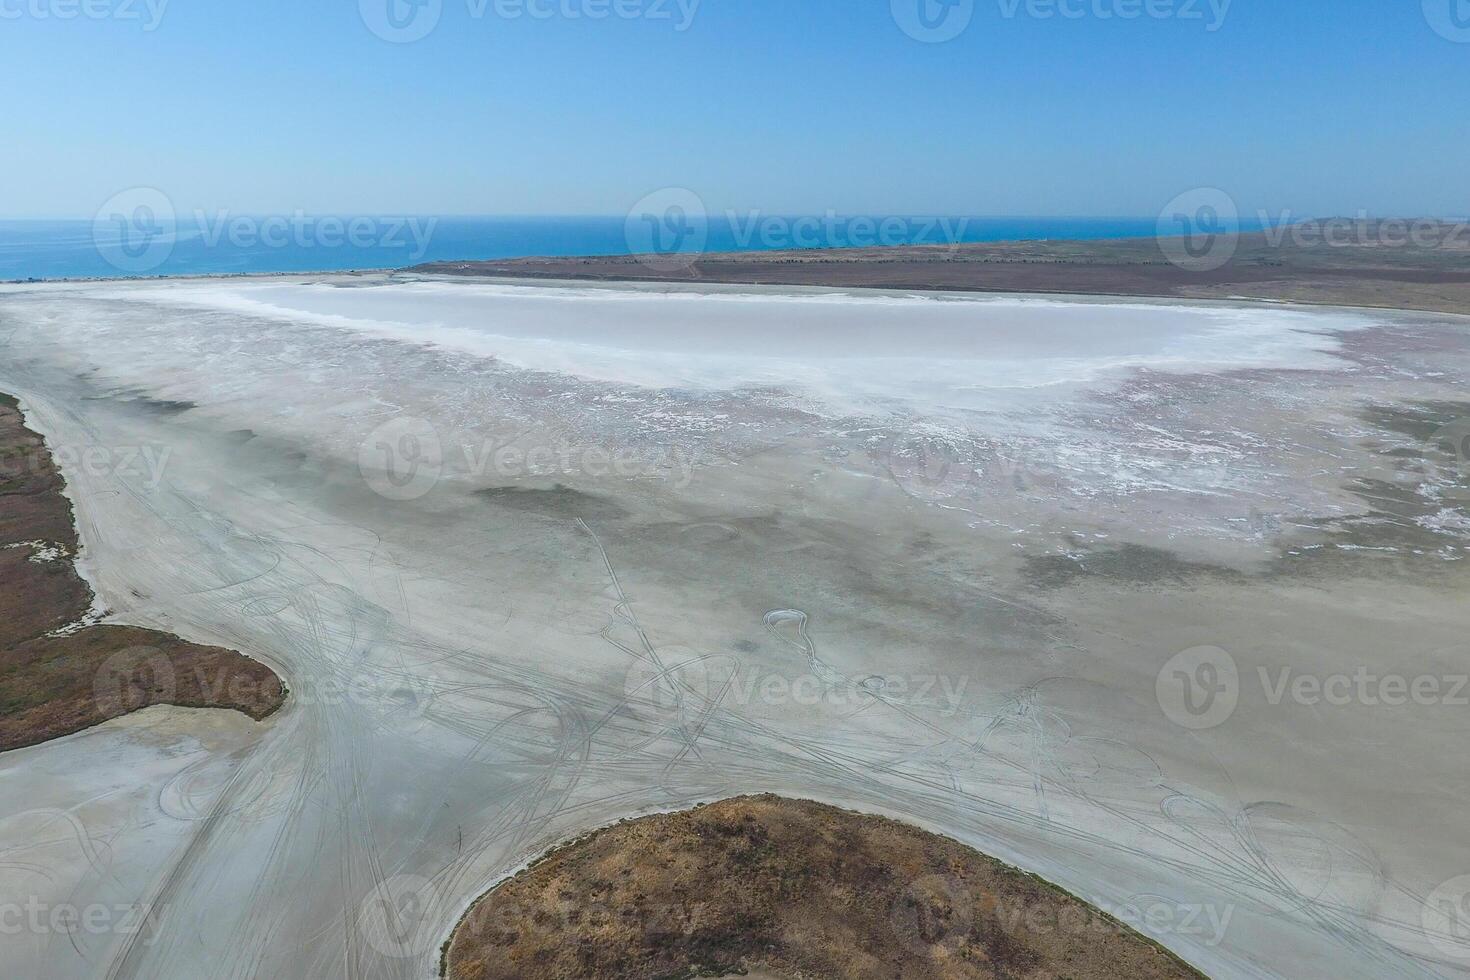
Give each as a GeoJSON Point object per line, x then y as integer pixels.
{"type": "Point", "coordinates": [925, 465]}
{"type": "Point", "coordinates": [402, 916]}
{"type": "Point", "coordinates": [1202, 687]}
{"type": "Point", "coordinates": [410, 236]}
{"type": "Point", "coordinates": [147, 13]}
{"type": "Point", "coordinates": [1449, 18]}
{"type": "Point", "coordinates": [933, 466]}
{"type": "Point", "coordinates": [406, 21]}
{"type": "Point", "coordinates": [143, 465]}
{"type": "Point", "coordinates": [1211, 13]}
{"type": "Point", "coordinates": [1362, 231]}
{"type": "Point", "coordinates": [681, 682]}
{"type": "Point", "coordinates": [831, 230]}
{"type": "Point", "coordinates": [402, 459]}
{"type": "Point", "coordinates": [1161, 917]}
{"type": "Point", "coordinates": [934, 913]}
{"type": "Point", "coordinates": [1455, 438]}
{"type": "Point", "coordinates": [1199, 688]}
{"type": "Point", "coordinates": [685, 684]}
{"type": "Point", "coordinates": [401, 21]}
{"type": "Point", "coordinates": [1199, 230]}
{"type": "Point", "coordinates": [680, 12]}
{"type": "Point", "coordinates": [1446, 918]}
{"type": "Point", "coordinates": [1204, 923]}
{"type": "Point", "coordinates": [132, 679]}
{"type": "Point", "coordinates": [405, 459]}
{"type": "Point", "coordinates": [1364, 687]}
{"type": "Point", "coordinates": [397, 695]}
{"type": "Point", "coordinates": [35, 917]}
{"type": "Point", "coordinates": [668, 230]}
{"type": "Point", "coordinates": [933, 21]}
{"type": "Point", "coordinates": [135, 230]}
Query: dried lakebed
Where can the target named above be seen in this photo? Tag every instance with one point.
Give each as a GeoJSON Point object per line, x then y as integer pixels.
{"type": "Point", "coordinates": [535, 558]}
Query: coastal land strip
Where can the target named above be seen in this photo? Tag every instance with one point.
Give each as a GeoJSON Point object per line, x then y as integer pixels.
{"type": "Point", "coordinates": [1405, 265]}
{"type": "Point", "coordinates": [61, 670]}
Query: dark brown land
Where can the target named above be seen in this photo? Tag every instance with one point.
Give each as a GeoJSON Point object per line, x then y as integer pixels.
{"type": "Point", "coordinates": [788, 889]}
{"type": "Point", "coordinates": [53, 685]}
{"type": "Point", "coordinates": [1378, 264]}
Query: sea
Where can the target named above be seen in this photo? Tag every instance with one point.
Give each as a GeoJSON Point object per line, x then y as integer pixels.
{"type": "Point", "coordinates": [135, 242]}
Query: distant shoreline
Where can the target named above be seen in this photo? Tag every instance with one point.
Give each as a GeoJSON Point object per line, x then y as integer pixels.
{"type": "Point", "coordinates": [1372, 275]}
{"type": "Point", "coordinates": [227, 243]}
{"type": "Point", "coordinates": [1367, 275]}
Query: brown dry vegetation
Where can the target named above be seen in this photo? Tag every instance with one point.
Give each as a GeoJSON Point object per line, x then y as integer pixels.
{"type": "Point", "coordinates": [1367, 265]}
{"type": "Point", "coordinates": [53, 685]}
{"type": "Point", "coordinates": [792, 889]}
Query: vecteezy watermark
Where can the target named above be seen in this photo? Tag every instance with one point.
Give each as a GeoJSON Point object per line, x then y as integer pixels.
{"type": "Point", "coordinates": [1363, 686]}
{"type": "Point", "coordinates": [933, 21]}
{"type": "Point", "coordinates": [1445, 917]}
{"type": "Point", "coordinates": [1210, 13]}
{"type": "Point", "coordinates": [589, 911]}
{"type": "Point", "coordinates": [831, 230]}
{"type": "Point", "coordinates": [403, 916]}
{"type": "Point", "coordinates": [143, 466]}
{"type": "Point", "coordinates": [148, 14]}
{"type": "Point", "coordinates": [401, 21]}
{"type": "Point", "coordinates": [378, 690]}
{"type": "Point", "coordinates": [944, 912]}
{"type": "Point", "coordinates": [35, 917]}
{"type": "Point", "coordinates": [679, 14]}
{"type": "Point", "coordinates": [937, 21]}
{"type": "Point", "coordinates": [131, 679]}
{"type": "Point", "coordinates": [135, 230]}
{"type": "Point", "coordinates": [682, 680]}
{"type": "Point", "coordinates": [933, 465]}
{"type": "Point", "coordinates": [405, 458]}
{"type": "Point", "coordinates": [668, 230]}
{"type": "Point", "coordinates": [926, 464]}
{"type": "Point", "coordinates": [1449, 18]}
{"type": "Point", "coordinates": [406, 234]}
{"type": "Point", "coordinates": [139, 677]}
{"type": "Point", "coordinates": [1205, 923]}
{"type": "Point", "coordinates": [406, 21]}
{"type": "Point", "coordinates": [1363, 231]}
{"type": "Point", "coordinates": [402, 459]}
{"type": "Point", "coordinates": [1201, 688]}
{"type": "Point", "coordinates": [1200, 229]}
{"type": "Point", "coordinates": [935, 912]}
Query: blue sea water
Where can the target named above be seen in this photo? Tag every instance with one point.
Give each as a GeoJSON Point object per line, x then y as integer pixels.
{"type": "Point", "coordinates": [135, 244]}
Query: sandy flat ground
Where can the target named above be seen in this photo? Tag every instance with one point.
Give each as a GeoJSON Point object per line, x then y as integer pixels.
{"type": "Point", "coordinates": [535, 558]}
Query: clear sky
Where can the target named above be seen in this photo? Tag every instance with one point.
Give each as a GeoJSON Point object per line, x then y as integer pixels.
{"type": "Point", "coordinates": [269, 106]}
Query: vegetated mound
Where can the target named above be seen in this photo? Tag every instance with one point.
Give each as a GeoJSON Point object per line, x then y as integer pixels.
{"type": "Point", "coordinates": [791, 889]}
{"type": "Point", "coordinates": [58, 674]}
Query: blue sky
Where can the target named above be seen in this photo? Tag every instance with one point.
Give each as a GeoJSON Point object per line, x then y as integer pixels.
{"type": "Point", "coordinates": [270, 106]}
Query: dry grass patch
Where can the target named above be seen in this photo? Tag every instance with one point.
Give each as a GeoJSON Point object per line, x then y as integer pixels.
{"type": "Point", "coordinates": [53, 683]}
{"type": "Point", "coordinates": [792, 889]}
